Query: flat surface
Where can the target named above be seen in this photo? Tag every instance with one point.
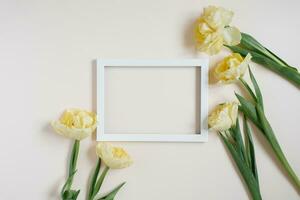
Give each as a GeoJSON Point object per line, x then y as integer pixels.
{"type": "Point", "coordinates": [46, 54]}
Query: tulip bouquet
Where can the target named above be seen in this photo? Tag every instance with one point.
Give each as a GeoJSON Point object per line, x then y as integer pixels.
{"type": "Point", "coordinates": [79, 124]}
{"type": "Point", "coordinates": [232, 69]}
{"type": "Point", "coordinates": [224, 120]}
{"type": "Point", "coordinates": [213, 31]}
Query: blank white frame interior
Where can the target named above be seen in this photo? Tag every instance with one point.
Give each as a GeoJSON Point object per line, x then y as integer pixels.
{"type": "Point", "coordinates": [202, 63]}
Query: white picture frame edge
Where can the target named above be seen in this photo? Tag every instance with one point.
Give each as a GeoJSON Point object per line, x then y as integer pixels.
{"type": "Point", "coordinates": [197, 62]}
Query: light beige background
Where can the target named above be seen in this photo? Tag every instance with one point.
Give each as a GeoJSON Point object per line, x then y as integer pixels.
{"type": "Point", "coordinates": [46, 53]}
{"type": "Point", "coordinates": [152, 100]}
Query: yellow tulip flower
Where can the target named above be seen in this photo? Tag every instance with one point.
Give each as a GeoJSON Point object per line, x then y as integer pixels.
{"type": "Point", "coordinates": [113, 157]}
{"type": "Point", "coordinates": [231, 68]}
{"type": "Point", "coordinates": [213, 31]}
{"type": "Point", "coordinates": [217, 17]}
{"type": "Point", "coordinates": [223, 117]}
{"type": "Point", "coordinates": [207, 39]}
{"type": "Point", "coordinates": [76, 124]}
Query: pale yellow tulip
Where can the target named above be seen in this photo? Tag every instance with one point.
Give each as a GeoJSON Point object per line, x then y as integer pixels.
{"type": "Point", "coordinates": [113, 157]}
{"type": "Point", "coordinates": [76, 124]}
{"type": "Point", "coordinates": [223, 117]}
{"type": "Point", "coordinates": [217, 17]}
{"type": "Point", "coordinates": [207, 39]}
{"type": "Point", "coordinates": [212, 30]}
{"type": "Point", "coordinates": [231, 68]}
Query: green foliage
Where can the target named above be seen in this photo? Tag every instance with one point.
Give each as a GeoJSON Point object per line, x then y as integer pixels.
{"type": "Point", "coordinates": [71, 194]}
{"type": "Point", "coordinates": [265, 57]}
{"type": "Point", "coordinates": [66, 192]}
{"type": "Point", "coordinates": [244, 156]}
{"type": "Point", "coordinates": [111, 195]}
{"type": "Point", "coordinates": [250, 153]}
{"type": "Point", "coordinates": [96, 183]}
{"type": "Point", "coordinates": [255, 112]}
{"type": "Point", "coordinates": [94, 179]}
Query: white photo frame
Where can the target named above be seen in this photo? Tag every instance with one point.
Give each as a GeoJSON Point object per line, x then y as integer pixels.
{"type": "Point", "coordinates": [201, 63]}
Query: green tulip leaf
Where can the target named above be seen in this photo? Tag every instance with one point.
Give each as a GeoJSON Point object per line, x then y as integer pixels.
{"type": "Point", "coordinates": [236, 135]}
{"type": "Point", "coordinates": [252, 44]}
{"type": "Point", "coordinates": [245, 171]}
{"type": "Point", "coordinates": [67, 183]}
{"type": "Point", "coordinates": [250, 149]}
{"type": "Point", "coordinates": [288, 73]}
{"type": "Point", "coordinates": [256, 88]}
{"type": "Point", "coordinates": [71, 194]}
{"type": "Point", "coordinates": [248, 109]}
{"type": "Point", "coordinates": [112, 194]}
{"type": "Point", "coordinates": [248, 88]}
{"type": "Point", "coordinates": [284, 71]}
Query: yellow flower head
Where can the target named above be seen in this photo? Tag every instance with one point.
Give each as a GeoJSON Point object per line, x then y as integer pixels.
{"type": "Point", "coordinates": [232, 67]}
{"type": "Point", "coordinates": [212, 30]}
{"type": "Point", "coordinates": [113, 157]}
{"type": "Point", "coordinates": [76, 124]}
{"type": "Point", "coordinates": [223, 117]}
{"type": "Point", "coordinates": [217, 17]}
{"type": "Point", "coordinates": [207, 39]}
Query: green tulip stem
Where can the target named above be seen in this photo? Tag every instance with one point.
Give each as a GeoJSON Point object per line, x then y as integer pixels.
{"type": "Point", "coordinates": [72, 169]}
{"type": "Point", "coordinates": [73, 160]}
{"type": "Point", "coordinates": [98, 183]}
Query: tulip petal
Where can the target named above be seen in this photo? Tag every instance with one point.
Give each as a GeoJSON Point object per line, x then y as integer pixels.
{"type": "Point", "coordinates": [244, 64]}
{"type": "Point", "coordinates": [217, 17]}
{"type": "Point", "coordinates": [232, 36]}
{"type": "Point", "coordinates": [73, 133]}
